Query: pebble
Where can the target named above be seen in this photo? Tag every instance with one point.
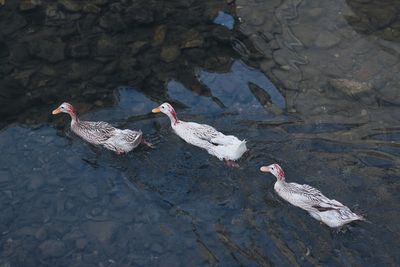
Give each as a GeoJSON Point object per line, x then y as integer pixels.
{"type": "Point", "coordinates": [81, 243]}
{"type": "Point", "coordinates": [350, 87]}
{"type": "Point", "coordinates": [52, 248]}
{"type": "Point", "coordinates": [90, 191]}
{"type": "Point", "coordinates": [170, 53]}
{"type": "Point", "coordinates": [102, 231]}
{"type": "Point", "coordinates": [41, 234]}
{"type": "Point", "coordinates": [5, 176]}
{"type": "Point", "coordinates": [159, 35]}
{"type": "Point", "coordinates": [326, 39]}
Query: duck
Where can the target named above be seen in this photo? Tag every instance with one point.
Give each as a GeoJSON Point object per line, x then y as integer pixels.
{"type": "Point", "coordinates": [102, 133]}
{"type": "Point", "coordinates": [227, 148]}
{"type": "Point", "coordinates": [328, 211]}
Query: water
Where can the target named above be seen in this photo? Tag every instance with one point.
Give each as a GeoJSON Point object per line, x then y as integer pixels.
{"type": "Point", "coordinates": [66, 203]}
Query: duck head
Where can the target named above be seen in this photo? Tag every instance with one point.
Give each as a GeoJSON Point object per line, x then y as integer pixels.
{"type": "Point", "coordinates": [167, 109]}
{"type": "Point", "coordinates": [276, 170]}
{"type": "Point", "coordinates": [66, 108]}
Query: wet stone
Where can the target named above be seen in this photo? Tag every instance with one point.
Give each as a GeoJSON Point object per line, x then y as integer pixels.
{"type": "Point", "coordinates": [70, 5]}
{"type": "Point", "coordinates": [78, 50]}
{"type": "Point", "coordinates": [35, 182]}
{"type": "Point", "coordinates": [192, 39]}
{"type": "Point", "coordinates": [170, 53]}
{"type": "Point", "coordinates": [159, 35]}
{"type": "Point", "coordinates": [350, 87]}
{"type": "Point", "coordinates": [326, 40]}
{"type": "Point", "coordinates": [138, 46]}
{"type": "Point", "coordinates": [106, 47]}
{"type": "Point", "coordinates": [102, 231]}
{"type": "Point", "coordinates": [81, 243]}
{"type": "Point", "coordinates": [91, 8]}
{"type": "Point", "coordinates": [41, 234]}
{"type": "Point", "coordinates": [90, 191]}
{"type": "Point", "coordinates": [52, 248]}
{"type": "Point", "coordinates": [50, 50]}
{"type": "Point", "coordinates": [5, 176]}
{"type": "Point", "coordinates": [28, 4]}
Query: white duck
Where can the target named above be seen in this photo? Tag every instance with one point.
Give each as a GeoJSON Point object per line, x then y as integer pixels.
{"type": "Point", "coordinates": [329, 211]}
{"type": "Point", "coordinates": [224, 147]}
{"type": "Point", "coordinates": [102, 133]}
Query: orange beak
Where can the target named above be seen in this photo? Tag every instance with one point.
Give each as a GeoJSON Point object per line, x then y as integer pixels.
{"type": "Point", "coordinates": [156, 110]}
{"type": "Point", "coordinates": [265, 169]}
{"type": "Point", "coordinates": [56, 111]}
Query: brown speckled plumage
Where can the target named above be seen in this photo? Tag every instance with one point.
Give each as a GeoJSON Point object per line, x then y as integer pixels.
{"type": "Point", "coordinates": [102, 133]}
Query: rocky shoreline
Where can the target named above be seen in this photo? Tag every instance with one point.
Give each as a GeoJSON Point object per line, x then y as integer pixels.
{"type": "Point", "coordinates": [51, 51]}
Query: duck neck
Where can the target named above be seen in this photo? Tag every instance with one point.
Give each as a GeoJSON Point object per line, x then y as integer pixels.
{"type": "Point", "coordinates": [173, 117]}
{"type": "Point", "coordinates": [74, 117]}
{"type": "Point", "coordinates": [281, 179]}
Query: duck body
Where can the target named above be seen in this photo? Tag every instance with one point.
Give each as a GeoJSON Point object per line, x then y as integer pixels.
{"type": "Point", "coordinates": [224, 147]}
{"type": "Point", "coordinates": [329, 211]}
{"type": "Point", "coordinates": [102, 133]}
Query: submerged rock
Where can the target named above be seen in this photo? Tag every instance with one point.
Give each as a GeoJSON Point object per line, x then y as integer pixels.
{"type": "Point", "coordinates": [326, 40]}
{"type": "Point", "coordinates": [50, 50]}
{"type": "Point", "coordinates": [350, 87]}
{"type": "Point", "coordinates": [70, 5]}
{"type": "Point", "coordinates": [170, 53]}
{"type": "Point", "coordinates": [159, 35]}
{"type": "Point", "coordinates": [52, 248]}
{"type": "Point", "coordinates": [28, 4]}
{"type": "Point", "coordinates": [102, 231]}
{"type": "Point", "coordinates": [192, 39]}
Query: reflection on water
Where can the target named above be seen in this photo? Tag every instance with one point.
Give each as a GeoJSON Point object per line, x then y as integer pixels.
{"type": "Point", "coordinates": [333, 123]}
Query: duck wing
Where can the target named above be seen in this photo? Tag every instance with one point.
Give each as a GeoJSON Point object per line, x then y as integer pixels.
{"type": "Point", "coordinates": [313, 198]}
{"type": "Point", "coordinates": [203, 131]}
{"type": "Point", "coordinates": [210, 134]}
{"type": "Point", "coordinates": [96, 132]}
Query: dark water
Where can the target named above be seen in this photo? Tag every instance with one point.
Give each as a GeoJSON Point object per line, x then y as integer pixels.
{"type": "Point", "coordinates": [310, 85]}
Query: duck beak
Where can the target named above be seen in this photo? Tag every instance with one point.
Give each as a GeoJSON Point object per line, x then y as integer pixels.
{"type": "Point", "coordinates": [265, 169]}
{"type": "Point", "coordinates": [156, 110]}
{"type": "Point", "coordinates": [56, 111]}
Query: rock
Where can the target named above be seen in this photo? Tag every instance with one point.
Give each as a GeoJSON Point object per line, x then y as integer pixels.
{"type": "Point", "coordinates": [222, 34]}
{"type": "Point", "coordinates": [11, 23]}
{"type": "Point", "coordinates": [5, 176]}
{"type": "Point", "coordinates": [50, 50]}
{"type": "Point", "coordinates": [70, 5]}
{"type": "Point", "coordinates": [315, 12]}
{"type": "Point", "coordinates": [52, 248]}
{"type": "Point", "coordinates": [192, 39]}
{"type": "Point", "coordinates": [35, 182]}
{"type": "Point", "coordinates": [350, 87]}
{"type": "Point", "coordinates": [159, 35]}
{"type": "Point", "coordinates": [89, 190]}
{"type": "Point", "coordinates": [137, 47]}
{"type": "Point", "coordinates": [2, 2]}
{"type": "Point", "coordinates": [28, 4]}
{"type": "Point", "coordinates": [91, 8]}
{"type": "Point", "coordinates": [170, 53]}
{"type": "Point", "coordinates": [138, 14]}
{"type": "Point", "coordinates": [102, 231]}
{"type": "Point", "coordinates": [106, 47]}
{"type": "Point", "coordinates": [326, 40]}
{"type": "Point", "coordinates": [81, 243]}
{"type": "Point", "coordinates": [78, 49]}
{"type": "Point", "coordinates": [112, 22]}
{"type": "Point", "coordinates": [23, 77]}
{"type": "Point", "coordinates": [41, 234]}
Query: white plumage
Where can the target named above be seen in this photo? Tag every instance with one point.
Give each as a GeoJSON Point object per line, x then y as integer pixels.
{"type": "Point", "coordinates": [329, 211]}
{"type": "Point", "coordinates": [224, 147]}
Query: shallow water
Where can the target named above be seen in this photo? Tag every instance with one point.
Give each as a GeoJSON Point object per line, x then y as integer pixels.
{"type": "Point", "coordinates": [66, 203]}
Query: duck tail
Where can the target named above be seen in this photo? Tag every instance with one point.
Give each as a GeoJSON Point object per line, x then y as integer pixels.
{"type": "Point", "coordinates": [241, 148]}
